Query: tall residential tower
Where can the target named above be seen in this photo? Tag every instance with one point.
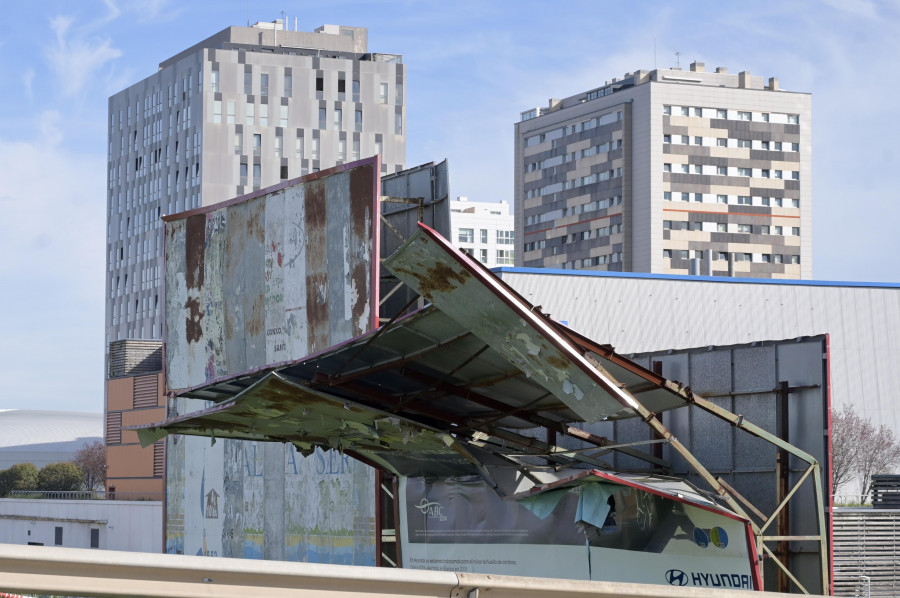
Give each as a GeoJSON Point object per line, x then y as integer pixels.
{"type": "Point", "coordinates": [237, 112]}
{"type": "Point", "coordinates": [668, 171]}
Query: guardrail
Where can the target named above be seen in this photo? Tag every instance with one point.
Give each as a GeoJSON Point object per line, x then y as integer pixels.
{"type": "Point", "coordinates": [86, 495]}
{"type": "Point", "coordinates": [79, 572]}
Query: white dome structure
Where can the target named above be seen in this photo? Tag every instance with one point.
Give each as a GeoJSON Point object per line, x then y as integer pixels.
{"type": "Point", "coordinates": [43, 437]}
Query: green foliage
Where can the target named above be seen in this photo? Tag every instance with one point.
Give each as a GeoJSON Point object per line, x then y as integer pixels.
{"type": "Point", "coordinates": [60, 477]}
{"type": "Point", "coordinates": [22, 476]}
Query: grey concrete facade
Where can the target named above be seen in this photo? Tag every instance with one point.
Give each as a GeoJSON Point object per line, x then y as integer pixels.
{"type": "Point", "coordinates": [668, 171]}
{"type": "Point", "coordinates": [239, 111]}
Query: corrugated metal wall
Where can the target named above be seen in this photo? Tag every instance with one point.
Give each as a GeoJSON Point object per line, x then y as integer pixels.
{"type": "Point", "coordinates": [650, 314]}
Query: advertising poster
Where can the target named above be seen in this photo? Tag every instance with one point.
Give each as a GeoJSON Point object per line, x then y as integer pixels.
{"type": "Point", "coordinates": [597, 530]}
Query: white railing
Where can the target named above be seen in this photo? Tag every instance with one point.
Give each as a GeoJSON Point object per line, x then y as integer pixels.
{"type": "Point", "coordinates": [80, 572]}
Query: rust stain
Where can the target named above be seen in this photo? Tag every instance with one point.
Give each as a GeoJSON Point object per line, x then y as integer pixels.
{"type": "Point", "coordinates": [439, 278]}
{"type": "Point", "coordinates": [194, 245]}
{"type": "Point", "coordinates": [256, 220]}
{"type": "Point", "coordinates": [257, 321]}
{"type": "Point", "coordinates": [558, 362]}
{"type": "Point", "coordinates": [317, 310]}
{"type": "Point", "coordinates": [361, 184]}
{"type": "Point", "coordinates": [194, 330]}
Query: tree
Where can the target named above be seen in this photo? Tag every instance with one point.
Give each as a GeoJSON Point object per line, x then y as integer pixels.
{"type": "Point", "coordinates": [91, 459]}
{"type": "Point", "coordinates": [21, 476]}
{"type": "Point", "coordinates": [859, 449]}
{"type": "Point", "coordinates": [60, 477]}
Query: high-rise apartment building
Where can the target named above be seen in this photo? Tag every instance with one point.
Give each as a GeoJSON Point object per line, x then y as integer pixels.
{"type": "Point", "coordinates": [668, 171]}
{"type": "Point", "coordinates": [239, 111]}
{"type": "Point", "coordinates": [483, 230]}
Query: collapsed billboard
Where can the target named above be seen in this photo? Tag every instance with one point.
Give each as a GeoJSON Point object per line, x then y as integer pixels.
{"type": "Point", "coordinates": [263, 279]}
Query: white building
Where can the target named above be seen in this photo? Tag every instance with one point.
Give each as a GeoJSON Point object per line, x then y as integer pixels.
{"type": "Point", "coordinates": [483, 230]}
{"type": "Point", "coordinates": [134, 526]}
{"type": "Point", "coordinates": [668, 171]}
{"type": "Point", "coordinates": [237, 112]}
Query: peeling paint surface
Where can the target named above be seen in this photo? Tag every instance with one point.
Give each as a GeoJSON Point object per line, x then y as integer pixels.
{"type": "Point", "coordinates": [251, 283]}
{"type": "Point", "coordinates": [270, 278]}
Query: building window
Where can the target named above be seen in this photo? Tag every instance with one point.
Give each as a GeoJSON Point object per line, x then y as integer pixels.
{"type": "Point", "coordinates": [685, 111]}
{"type": "Point", "coordinates": [745, 171]}
{"type": "Point", "coordinates": [322, 118]}
{"type": "Point", "coordinates": [778, 258]}
{"type": "Point", "coordinates": [722, 170]}
{"type": "Point", "coordinates": [685, 140]}
{"type": "Point", "coordinates": [795, 203]}
{"type": "Point", "coordinates": [795, 230]}
{"type": "Point", "coordinates": [698, 197]}
{"type": "Point", "coordinates": [779, 174]}
{"type": "Point", "coordinates": [667, 139]}
{"type": "Point", "coordinates": [698, 111]}
{"type": "Point", "coordinates": [745, 143]}
{"type": "Point", "coordinates": [356, 149]}
{"type": "Point", "coordinates": [722, 255]}
{"type": "Point", "coordinates": [795, 175]}
{"type": "Point", "coordinates": [355, 88]}
{"type": "Point", "coordinates": [214, 81]}
{"type": "Point", "coordinates": [667, 167]}
{"type": "Point", "coordinates": [667, 224]}
{"type": "Point", "coordinates": [721, 142]}
{"type": "Point", "coordinates": [778, 230]}
{"type": "Point", "coordinates": [320, 88]}
{"type": "Point", "coordinates": [685, 168]}
{"type": "Point", "coordinates": [59, 536]}
{"type": "Point", "coordinates": [382, 93]}
{"type": "Point", "coordinates": [398, 124]}
{"type": "Point", "coordinates": [766, 258]}
{"type": "Point", "coordinates": [248, 83]}
{"type": "Point", "coordinates": [795, 147]}
{"type": "Point", "coordinates": [745, 115]}
{"type": "Point", "coordinates": [257, 143]}
{"type": "Point", "coordinates": [765, 173]}
{"type": "Point", "coordinates": [283, 116]}
{"type": "Point", "coordinates": [243, 173]}
{"type": "Point", "coordinates": [764, 229]}
{"type": "Point", "coordinates": [217, 111]}
{"type": "Point", "coordinates": [279, 145]}
{"type": "Point", "coordinates": [795, 259]}
{"type": "Point", "coordinates": [721, 199]}
{"type": "Point", "coordinates": [698, 140]}
{"type": "Point", "coordinates": [257, 174]}
{"type": "Point", "coordinates": [505, 257]}
{"type": "Point", "coordinates": [466, 235]}
{"type": "Point", "coordinates": [793, 119]}
{"type": "Point", "coordinates": [357, 121]}
{"type": "Point", "coordinates": [483, 256]}
{"type": "Point", "coordinates": [667, 110]}
{"type": "Point", "coordinates": [744, 200]}
{"type": "Point", "coordinates": [264, 84]}
{"type": "Point", "coordinates": [667, 253]}
{"type": "Point", "coordinates": [314, 150]}
{"type": "Point", "coordinates": [685, 197]}
{"type": "Point", "coordinates": [745, 228]}
{"type": "Point", "coordinates": [264, 115]}
{"type": "Point", "coordinates": [338, 119]}
{"type": "Point", "coordinates": [777, 202]}
{"type": "Point", "coordinates": [229, 113]}
{"type": "Point", "coordinates": [95, 537]}
{"type": "Point", "coordinates": [667, 195]}
{"type": "Point", "coordinates": [342, 150]}
{"type": "Point", "coordinates": [721, 227]}
{"type": "Point", "coordinates": [298, 148]}
{"type": "Point", "coordinates": [764, 145]}
{"type": "Point", "coordinates": [483, 233]}
{"type": "Point", "coordinates": [288, 85]}
{"type": "Point", "coordinates": [250, 114]}
{"type": "Point", "coordinates": [721, 113]}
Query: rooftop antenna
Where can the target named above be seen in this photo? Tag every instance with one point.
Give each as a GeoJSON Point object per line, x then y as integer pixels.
{"type": "Point", "coordinates": [678, 60]}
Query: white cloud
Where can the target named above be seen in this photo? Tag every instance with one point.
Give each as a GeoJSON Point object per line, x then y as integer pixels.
{"type": "Point", "coordinates": [52, 235]}
{"type": "Point", "coordinates": [76, 58]}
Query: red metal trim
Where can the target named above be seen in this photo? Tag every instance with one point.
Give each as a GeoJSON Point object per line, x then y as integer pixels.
{"type": "Point", "coordinates": [374, 284]}
{"type": "Point", "coordinates": [756, 573]}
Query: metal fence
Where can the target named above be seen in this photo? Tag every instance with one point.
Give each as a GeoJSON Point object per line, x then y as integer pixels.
{"type": "Point", "coordinates": [86, 495]}
{"type": "Point", "coordinates": [866, 552]}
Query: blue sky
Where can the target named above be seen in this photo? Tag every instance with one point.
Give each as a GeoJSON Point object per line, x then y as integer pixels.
{"type": "Point", "coordinates": [472, 67]}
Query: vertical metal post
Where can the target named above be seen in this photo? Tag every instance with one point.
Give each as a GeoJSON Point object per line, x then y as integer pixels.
{"type": "Point", "coordinates": [820, 512]}
{"type": "Point", "coordinates": [783, 471]}
{"type": "Point", "coordinates": [658, 448]}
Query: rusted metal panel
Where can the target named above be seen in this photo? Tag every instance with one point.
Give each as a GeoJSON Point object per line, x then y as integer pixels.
{"type": "Point", "coordinates": [267, 278]}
